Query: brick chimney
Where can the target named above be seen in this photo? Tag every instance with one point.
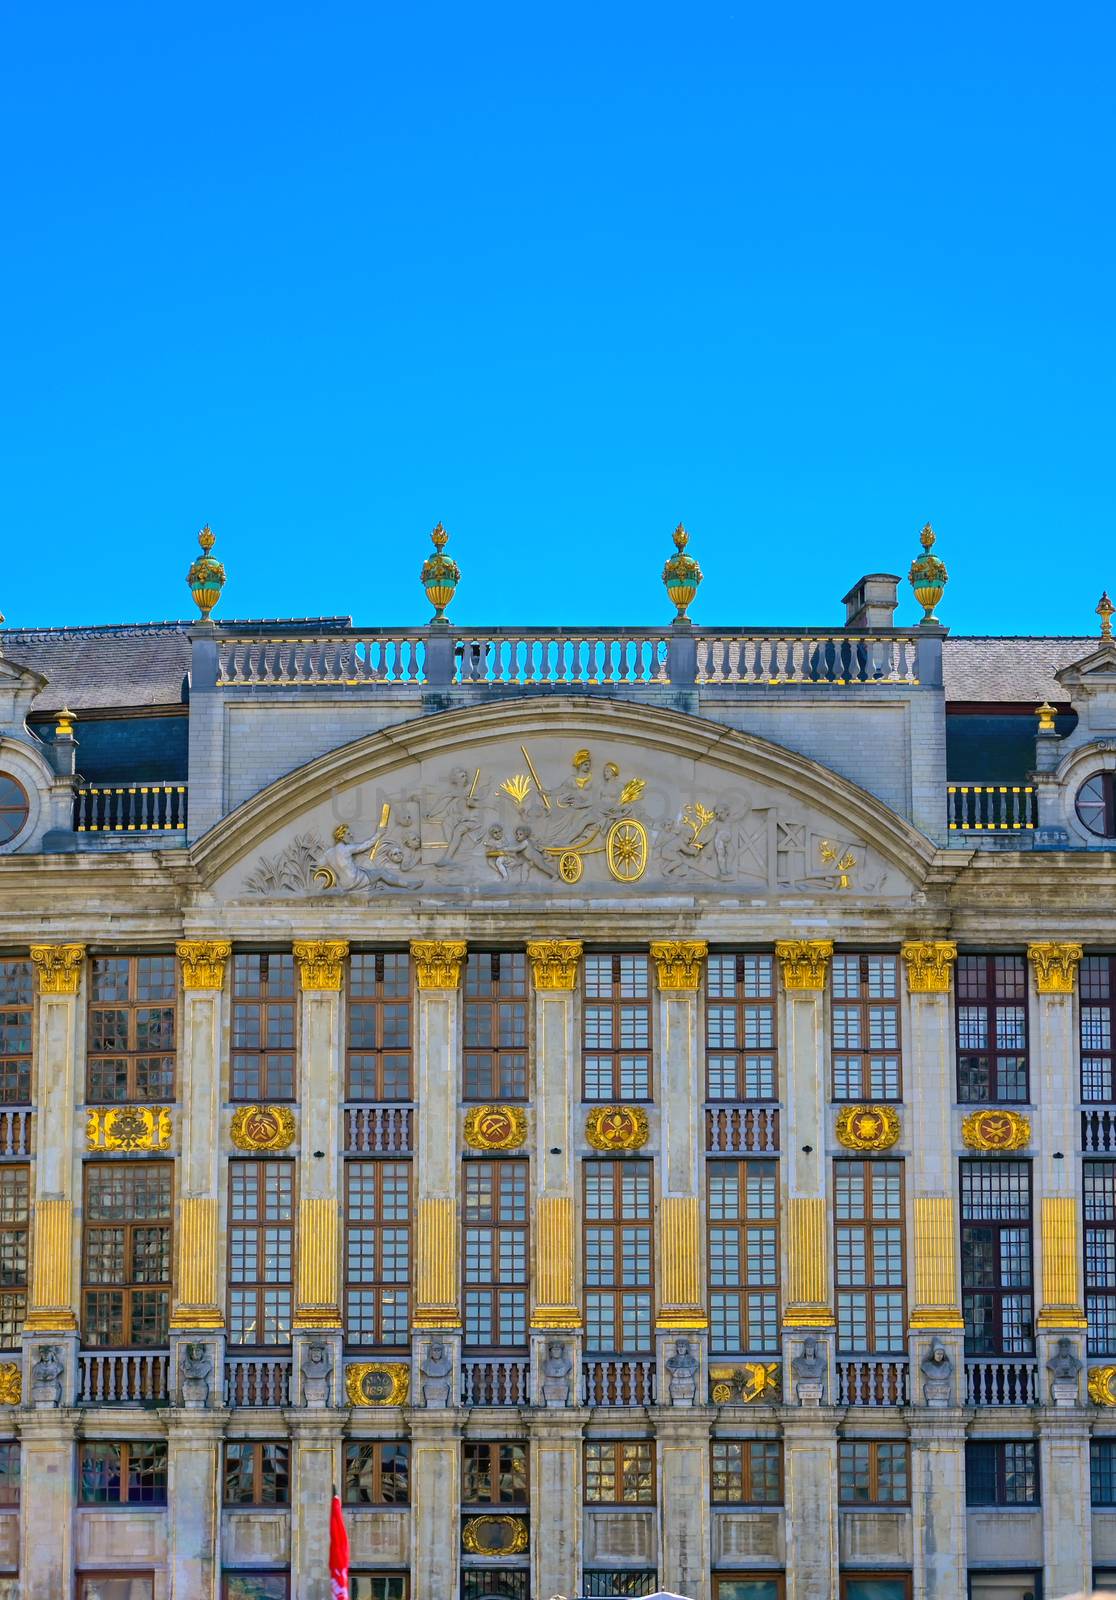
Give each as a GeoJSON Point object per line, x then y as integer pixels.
{"type": "Point", "coordinates": [871, 602]}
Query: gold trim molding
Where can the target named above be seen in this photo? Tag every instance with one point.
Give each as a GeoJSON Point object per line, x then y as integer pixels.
{"type": "Point", "coordinates": [1055, 966]}
{"type": "Point", "coordinates": [128, 1128]}
{"type": "Point", "coordinates": [495, 1127]}
{"type": "Point", "coordinates": [679, 962]}
{"type": "Point", "coordinates": [320, 964]}
{"type": "Point", "coordinates": [867, 1127]}
{"type": "Point", "coordinates": [59, 967]}
{"type": "Point", "coordinates": [203, 962]}
{"type": "Point", "coordinates": [554, 962]}
{"type": "Point", "coordinates": [996, 1129]}
{"type": "Point", "coordinates": [263, 1128]}
{"type": "Point", "coordinates": [617, 1128]}
{"type": "Point", "coordinates": [929, 965]}
{"type": "Point", "coordinates": [804, 962]}
{"type": "Point", "coordinates": [377, 1383]}
{"type": "Point", "coordinates": [438, 962]}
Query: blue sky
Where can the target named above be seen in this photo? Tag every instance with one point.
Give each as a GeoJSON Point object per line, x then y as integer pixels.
{"type": "Point", "coordinates": [804, 276]}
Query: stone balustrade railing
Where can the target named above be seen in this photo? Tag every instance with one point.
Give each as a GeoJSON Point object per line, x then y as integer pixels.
{"type": "Point", "coordinates": [795, 657]}
{"type": "Point", "coordinates": [743, 1130]}
{"type": "Point", "coordinates": [1098, 1131]}
{"type": "Point", "coordinates": [257, 1381]}
{"type": "Point", "coordinates": [1001, 1382]}
{"type": "Point", "coordinates": [16, 1125]}
{"type": "Point", "coordinates": [378, 1129]}
{"type": "Point", "coordinates": [122, 1377]}
{"type": "Point", "coordinates": [495, 1381]}
{"type": "Point", "coordinates": [867, 1381]}
{"type": "Point", "coordinates": [154, 807]}
{"type": "Point", "coordinates": [618, 1381]}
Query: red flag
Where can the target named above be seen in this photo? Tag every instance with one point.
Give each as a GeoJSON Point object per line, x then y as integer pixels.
{"type": "Point", "coordinates": [338, 1552]}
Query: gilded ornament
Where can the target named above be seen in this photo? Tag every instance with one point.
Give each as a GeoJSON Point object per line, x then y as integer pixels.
{"type": "Point", "coordinates": [554, 961]}
{"type": "Point", "coordinates": [867, 1127]}
{"type": "Point", "coordinates": [495, 1127]}
{"type": "Point", "coordinates": [617, 1128]}
{"type": "Point", "coordinates": [929, 965]}
{"type": "Point", "coordinates": [744, 1383]}
{"type": "Point", "coordinates": [206, 577]}
{"type": "Point", "coordinates": [1045, 713]}
{"type": "Point", "coordinates": [128, 1128]}
{"type": "Point", "coordinates": [319, 963]}
{"type": "Point", "coordinates": [626, 850]}
{"type": "Point", "coordinates": [681, 574]}
{"type": "Point", "coordinates": [59, 967]}
{"type": "Point", "coordinates": [263, 1128]}
{"type": "Point", "coordinates": [570, 866]}
{"type": "Point", "coordinates": [203, 962]}
{"type": "Point", "coordinates": [1102, 1386]}
{"type": "Point", "coordinates": [438, 962]}
{"type": "Point", "coordinates": [928, 577]}
{"type": "Point", "coordinates": [1105, 609]}
{"type": "Point", "coordinates": [804, 962]}
{"type": "Point", "coordinates": [517, 787]}
{"type": "Point", "coordinates": [679, 962]}
{"type": "Point", "coordinates": [440, 577]}
{"type": "Point", "coordinates": [996, 1130]}
{"type": "Point", "coordinates": [1055, 966]}
{"type": "Point", "coordinates": [11, 1383]}
{"type": "Point", "coordinates": [64, 727]}
{"type": "Point", "coordinates": [494, 1536]}
{"type": "Point", "coordinates": [377, 1383]}
{"type": "Point", "coordinates": [842, 864]}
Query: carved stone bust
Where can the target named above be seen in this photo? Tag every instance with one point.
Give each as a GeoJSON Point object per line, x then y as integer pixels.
{"type": "Point", "coordinates": [937, 1375]}
{"type": "Point", "coordinates": [46, 1376]}
{"type": "Point", "coordinates": [557, 1367]}
{"type": "Point", "coordinates": [317, 1369]}
{"type": "Point", "coordinates": [436, 1373]}
{"type": "Point", "coordinates": [682, 1366]}
{"type": "Point", "coordinates": [195, 1368]}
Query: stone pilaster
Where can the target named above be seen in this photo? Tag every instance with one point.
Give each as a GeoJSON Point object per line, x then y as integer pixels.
{"type": "Point", "coordinates": [197, 1303]}
{"type": "Point", "coordinates": [1067, 1527]}
{"type": "Point", "coordinates": [437, 1078]}
{"type": "Point", "coordinates": [47, 1468]}
{"type": "Point", "coordinates": [321, 1095]}
{"type": "Point", "coordinates": [556, 1505]}
{"type": "Point", "coordinates": [193, 1505]}
{"type": "Point", "coordinates": [681, 1293]}
{"type": "Point", "coordinates": [435, 1501]}
{"type": "Point", "coordinates": [938, 1517]}
{"type": "Point", "coordinates": [315, 1466]}
{"type": "Point", "coordinates": [810, 1472]}
{"type": "Point", "coordinates": [682, 1443]}
{"type": "Point", "coordinates": [53, 1300]}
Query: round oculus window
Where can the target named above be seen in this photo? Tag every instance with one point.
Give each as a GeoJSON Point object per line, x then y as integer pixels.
{"type": "Point", "coordinates": [1096, 805]}
{"type": "Point", "coordinates": [13, 807]}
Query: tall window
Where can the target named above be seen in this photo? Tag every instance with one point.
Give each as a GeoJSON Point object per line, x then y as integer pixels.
{"type": "Point", "coordinates": [377, 1252]}
{"type": "Point", "coordinates": [15, 1032]}
{"type": "Point", "coordinates": [261, 1249]}
{"type": "Point", "coordinates": [130, 1050]}
{"type": "Point", "coordinates": [873, 1474]}
{"type": "Point", "coordinates": [742, 1204]}
{"type": "Point", "coordinates": [868, 1212]}
{"type": "Point", "coordinates": [132, 1474]}
{"type": "Point", "coordinates": [496, 1025]}
{"type": "Point", "coordinates": [1100, 1256]}
{"type": "Point", "coordinates": [740, 1061]}
{"type": "Point", "coordinates": [865, 1016]}
{"type": "Point", "coordinates": [618, 1256]}
{"type": "Point", "coordinates": [257, 1473]}
{"type": "Point", "coordinates": [619, 1472]}
{"type": "Point", "coordinates": [377, 1586]}
{"type": "Point", "coordinates": [263, 1027]}
{"type": "Point", "coordinates": [996, 1291]}
{"type": "Point", "coordinates": [746, 1472]}
{"type": "Point", "coordinates": [377, 1472]}
{"type": "Point", "coordinates": [1102, 1472]}
{"type": "Point", "coordinates": [493, 1474]}
{"type": "Point", "coordinates": [379, 1055]}
{"type": "Point", "coordinates": [1098, 993]}
{"type": "Point", "coordinates": [1001, 1472]}
{"type": "Point", "coordinates": [617, 1024]}
{"type": "Point", "coordinates": [15, 1207]}
{"type": "Point", "coordinates": [495, 1253]}
{"type": "Point", "coordinates": [127, 1253]}
{"type": "Point", "coordinates": [9, 1474]}
{"type": "Point", "coordinates": [992, 1029]}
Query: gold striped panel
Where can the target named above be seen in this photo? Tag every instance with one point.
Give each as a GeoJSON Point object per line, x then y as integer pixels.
{"type": "Point", "coordinates": [436, 1256]}
{"type": "Point", "coordinates": [808, 1253]}
{"type": "Point", "coordinates": [681, 1251]}
{"type": "Point", "coordinates": [318, 1283]}
{"type": "Point", "coordinates": [52, 1277]}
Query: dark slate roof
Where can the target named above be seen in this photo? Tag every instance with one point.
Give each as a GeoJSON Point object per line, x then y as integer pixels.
{"type": "Point", "coordinates": [1019, 669]}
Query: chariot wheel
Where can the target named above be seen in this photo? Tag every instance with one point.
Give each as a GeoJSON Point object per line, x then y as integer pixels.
{"type": "Point", "coordinates": [570, 866]}
{"type": "Point", "coordinates": [626, 850]}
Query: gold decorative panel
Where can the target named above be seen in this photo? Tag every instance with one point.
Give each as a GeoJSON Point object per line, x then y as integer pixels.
{"type": "Point", "coordinates": [1061, 1304]}
{"type": "Point", "coordinates": [935, 1262]}
{"type": "Point", "coordinates": [996, 1130]}
{"type": "Point", "coordinates": [320, 963]}
{"type": "Point", "coordinates": [554, 962]}
{"type": "Point", "coordinates": [263, 1128]}
{"type": "Point", "coordinates": [554, 1263]}
{"type": "Point", "coordinates": [377, 1383]}
{"type": "Point", "coordinates": [436, 1264]}
{"type": "Point", "coordinates": [203, 962]}
{"type": "Point", "coordinates": [744, 1383]}
{"type": "Point", "coordinates": [679, 962]}
{"type": "Point", "coordinates": [1102, 1386]}
{"type": "Point", "coordinates": [11, 1384]}
{"type": "Point", "coordinates": [494, 1536]}
{"type": "Point", "coordinates": [51, 1310]}
{"type": "Point", "coordinates": [59, 967]}
{"type": "Point", "coordinates": [1055, 966]}
{"type": "Point", "coordinates": [867, 1127]}
{"type": "Point", "coordinates": [680, 1236]}
{"type": "Point", "coordinates": [128, 1128]}
{"type": "Point", "coordinates": [495, 1127]}
{"type": "Point", "coordinates": [617, 1128]}
{"type": "Point", "coordinates": [804, 961]}
{"type": "Point", "coordinates": [929, 965]}
{"type": "Point", "coordinates": [196, 1305]}
{"type": "Point", "coordinates": [318, 1304]}
{"type": "Point", "coordinates": [438, 962]}
{"type": "Point", "coordinates": [807, 1260]}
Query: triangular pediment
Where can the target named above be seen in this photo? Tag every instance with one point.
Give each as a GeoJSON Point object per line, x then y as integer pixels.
{"type": "Point", "coordinates": [1097, 670]}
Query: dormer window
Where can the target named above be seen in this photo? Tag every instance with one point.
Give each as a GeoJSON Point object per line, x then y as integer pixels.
{"type": "Point", "coordinates": [1096, 805]}
{"type": "Point", "coordinates": [14, 807]}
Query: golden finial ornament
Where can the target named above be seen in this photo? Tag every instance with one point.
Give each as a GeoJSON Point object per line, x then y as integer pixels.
{"type": "Point", "coordinates": [928, 577]}
{"type": "Point", "coordinates": [1045, 714]}
{"type": "Point", "coordinates": [1105, 608]}
{"type": "Point", "coordinates": [440, 576]}
{"type": "Point", "coordinates": [64, 727]}
{"type": "Point", "coordinates": [681, 574]}
{"type": "Point", "coordinates": [206, 576]}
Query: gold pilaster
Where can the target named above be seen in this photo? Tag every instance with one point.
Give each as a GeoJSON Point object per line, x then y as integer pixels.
{"type": "Point", "coordinates": [319, 963]}
{"type": "Point", "coordinates": [1061, 1307]}
{"type": "Point", "coordinates": [929, 965]}
{"type": "Point", "coordinates": [203, 962]}
{"type": "Point", "coordinates": [196, 1303]}
{"type": "Point", "coordinates": [436, 1304]}
{"type": "Point", "coordinates": [555, 1304]}
{"type": "Point", "coordinates": [935, 1235]}
{"type": "Point", "coordinates": [318, 1304]}
{"type": "Point", "coordinates": [805, 962]}
{"type": "Point", "coordinates": [680, 1235]}
{"type": "Point", "coordinates": [51, 1308]}
{"type": "Point", "coordinates": [807, 1265]}
{"type": "Point", "coordinates": [438, 962]}
{"type": "Point", "coordinates": [678, 962]}
{"type": "Point", "coordinates": [554, 962]}
{"type": "Point", "coordinates": [1055, 966]}
{"type": "Point", "coordinates": [59, 967]}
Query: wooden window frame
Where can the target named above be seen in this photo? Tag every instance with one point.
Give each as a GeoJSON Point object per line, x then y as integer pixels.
{"type": "Point", "coordinates": [10, 1450]}
{"type": "Point", "coordinates": [15, 1247]}
{"type": "Point", "coordinates": [17, 1026]}
{"type": "Point", "coordinates": [614, 1005]}
{"type": "Point", "coordinates": [602, 1450]}
{"type": "Point", "coordinates": [874, 1448]}
{"type": "Point", "coordinates": [126, 1448]}
{"type": "Point", "coordinates": [1098, 1212]}
{"type": "Point", "coordinates": [1097, 1029]}
{"type": "Point", "coordinates": [258, 1449]}
{"type": "Point", "coordinates": [880, 1069]}
{"type": "Point", "coordinates": [382, 1287]}
{"type": "Point", "coordinates": [383, 1572]}
{"type": "Point", "coordinates": [624, 1294]}
{"type": "Point", "coordinates": [866, 1577]}
{"type": "Point", "coordinates": [116, 1574]}
{"type": "Point", "coordinates": [269, 1060]}
{"type": "Point", "coordinates": [992, 1003]}
{"type": "Point", "coordinates": [492, 1451]}
{"type": "Point", "coordinates": [997, 1295]}
{"type": "Point", "coordinates": [381, 984]}
{"type": "Point", "coordinates": [758, 1282]}
{"type": "Point", "coordinates": [377, 1450]}
{"type": "Point", "coordinates": [131, 1286]}
{"type": "Point", "coordinates": [1099, 1448]}
{"type": "Point", "coordinates": [162, 1062]}
{"type": "Point", "coordinates": [870, 1225]}
{"type": "Point", "coordinates": [255, 1572]}
{"type": "Point", "coordinates": [260, 1284]}
{"type": "Point", "coordinates": [752, 1575]}
{"type": "Point", "coordinates": [511, 1177]}
{"type": "Point", "coordinates": [496, 1006]}
{"type": "Point", "coordinates": [999, 1449]}
{"type": "Point", "coordinates": [745, 1472]}
{"type": "Point", "coordinates": [748, 995]}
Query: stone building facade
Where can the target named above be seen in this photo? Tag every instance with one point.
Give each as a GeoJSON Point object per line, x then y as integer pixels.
{"type": "Point", "coordinates": [632, 1108]}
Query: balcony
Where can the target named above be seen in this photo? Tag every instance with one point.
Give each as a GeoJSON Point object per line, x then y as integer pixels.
{"type": "Point", "coordinates": [378, 1129]}
{"type": "Point", "coordinates": [495, 1381]}
{"type": "Point", "coordinates": [874, 1383]}
{"type": "Point", "coordinates": [154, 807]}
{"type": "Point", "coordinates": [742, 1130]}
{"type": "Point", "coordinates": [997, 808]}
{"type": "Point", "coordinates": [1098, 1131]}
{"type": "Point", "coordinates": [618, 1381]}
{"type": "Point", "coordinates": [122, 1377]}
{"type": "Point", "coordinates": [1001, 1383]}
{"type": "Point", "coordinates": [255, 1381]}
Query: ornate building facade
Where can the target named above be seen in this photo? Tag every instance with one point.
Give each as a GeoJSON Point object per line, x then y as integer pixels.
{"type": "Point", "coordinates": [631, 1108]}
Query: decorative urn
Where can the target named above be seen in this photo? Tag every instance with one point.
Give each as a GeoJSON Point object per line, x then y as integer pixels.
{"type": "Point", "coordinates": [928, 576]}
{"type": "Point", "coordinates": [440, 576]}
{"type": "Point", "coordinates": [206, 576]}
{"type": "Point", "coordinates": [681, 575]}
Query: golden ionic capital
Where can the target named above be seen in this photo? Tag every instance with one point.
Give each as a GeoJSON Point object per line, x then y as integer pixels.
{"type": "Point", "coordinates": [679, 962]}
{"type": "Point", "coordinates": [929, 965]}
{"type": "Point", "coordinates": [554, 962]}
{"type": "Point", "coordinates": [804, 961]}
{"type": "Point", "coordinates": [59, 967]}
{"type": "Point", "coordinates": [1055, 966]}
{"type": "Point", "coordinates": [319, 963]}
{"type": "Point", "coordinates": [807, 1265]}
{"type": "Point", "coordinates": [1061, 1300]}
{"type": "Point", "coordinates": [203, 962]}
{"type": "Point", "coordinates": [438, 962]}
